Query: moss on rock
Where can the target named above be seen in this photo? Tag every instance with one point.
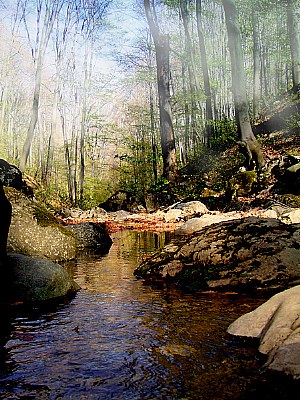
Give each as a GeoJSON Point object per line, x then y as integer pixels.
{"type": "Point", "coordinates": [35, 231]}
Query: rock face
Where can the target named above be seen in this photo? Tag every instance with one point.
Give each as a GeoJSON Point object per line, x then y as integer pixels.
{"type": "Point", "coordinates": [243, 255]}
{"type": "Point", "coordinates": [38, 280]}
{"type": "Point", "coordinates": [276, 324]}
{"type": "Point", "coordinates": [91, 236]}
{"type": "Point", "coordinates": [35, 232]}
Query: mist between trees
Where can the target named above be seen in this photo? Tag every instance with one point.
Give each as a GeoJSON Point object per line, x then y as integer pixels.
{"type": "Point", "coordinates": [187, 77]}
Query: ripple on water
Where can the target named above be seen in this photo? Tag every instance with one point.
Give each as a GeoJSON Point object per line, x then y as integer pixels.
{"type": "Point", "coordinates": [121, 339]}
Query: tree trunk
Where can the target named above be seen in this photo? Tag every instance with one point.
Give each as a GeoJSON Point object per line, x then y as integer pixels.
{"type": "Point", "coordinates": [249, 145]}
{"type": "Point", "coordinates": [153, 138]}
{"type": "Point", "coordinates": [50, 152]}
{"type": "Point", "coordinates": [34, 114]}
{"type": "Point", "coordinates": [256, 62]}
{"type": "Point", "coordinates": [293, 30]}
{"type": "Point", "coordinates": [204, 66]}
{"type": "Point", "coordinates": [162, 50]}
{"type": "Point", "coordinates": [52, 9]}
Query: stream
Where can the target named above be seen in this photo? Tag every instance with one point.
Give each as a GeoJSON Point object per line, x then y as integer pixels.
{"type": "Point", "coordinates": [120, 338]}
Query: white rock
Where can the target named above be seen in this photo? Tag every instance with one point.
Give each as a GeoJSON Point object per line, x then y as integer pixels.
{"type": "Point", "coordinates": [276, 324]}
{"type": "Point", "coordinates": [173, 215]}
{"type": "Point", "coordinates": [291, 217]}
{"type": "Point", "coordinates": [192, 208]}
{"type": "Point", "coordinates": [195, 224]}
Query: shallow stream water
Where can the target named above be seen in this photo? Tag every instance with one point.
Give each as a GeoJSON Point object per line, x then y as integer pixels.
{"type": "Point", "coordinates": [122, 339]}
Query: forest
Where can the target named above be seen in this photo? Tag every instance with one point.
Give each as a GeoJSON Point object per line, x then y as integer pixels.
{"type": "Point", "coordinates": [99, 96]}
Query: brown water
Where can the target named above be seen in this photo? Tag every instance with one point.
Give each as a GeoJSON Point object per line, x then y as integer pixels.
{"type": "Point", "coordinates": [121, 339]}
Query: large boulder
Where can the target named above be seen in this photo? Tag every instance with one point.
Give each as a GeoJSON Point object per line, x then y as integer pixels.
{"type": "Point", "coordinates": [121, 200]}
{"type": "Point", "coordinates": [91, 236]}
{"type": "Point", "coordinates": [35, 232]}
{"type": "Point", "coordinates": [276, 324]}
{"type": "Point", "coordinates": [247, 254]}
{"type": "Point", "coordinates": [5, 219]}
{"type": "Point", "coordinates": [37, 280]}
{"type": "Point", "coordinates": [287, 172]}
{"type": "Point", "coordinates": [28, 279]}
{"type": "Point", "coordinates": [195, 224]}
{"type": "Point", "coordinates": [10, 175]}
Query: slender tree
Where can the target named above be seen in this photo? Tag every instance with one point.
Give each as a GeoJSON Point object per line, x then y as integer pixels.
{"type": "Point", "coordinates": [256, 61]}
{"type": "Point", "coordinates": [162, 49]}
{"type": "Point", "coordinates": [205, 72]}
{"type": "Point", "coordinates": [249, 144]}
{"type": "Point", "coordinates": [46, 13]}
{"type": "Point", "coordinates": [293, 30]}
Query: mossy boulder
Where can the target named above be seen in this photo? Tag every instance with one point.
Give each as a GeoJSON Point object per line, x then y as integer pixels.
{"type": "Point", "coordinates": [241, 184]}
{"type": "Point", "coordinates": [34, 231]}
{"type": "Point", "coordinates": [36, 280]}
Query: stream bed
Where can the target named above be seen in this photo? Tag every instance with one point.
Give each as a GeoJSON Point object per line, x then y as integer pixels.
{"type": "Point", "coordinates": [119, 338]}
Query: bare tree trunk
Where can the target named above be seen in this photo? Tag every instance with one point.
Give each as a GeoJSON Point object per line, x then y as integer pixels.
{"type": "Point", "coordinates": [193, 78]}
{"type": "Point", "coordinates": [50, 151]}
{"type": "Point", "coordinates": [161, 42]}
{"type": "Point", "coordinates": [34, 115]}
{"type": "Point", "coordinates": [70, 183]}
{"type": "Point", "coordinates": [153, 138]}
{"type": "Point", "coordinates": [51, 12]}
{"type": "Point", "coordinates": [256, 62]}
{"type": "Point", "coordinates": [293, 29]}
{"type": "Point", "coordinates": [204, 66]}
{"type": "Point", "coordinates": [249, 144]}
{"type": "Point", "coordinates": [83, 125]}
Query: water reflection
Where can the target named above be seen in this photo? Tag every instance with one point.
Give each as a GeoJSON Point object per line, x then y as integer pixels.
{"type": "Point", "coordinates": [121, 339]}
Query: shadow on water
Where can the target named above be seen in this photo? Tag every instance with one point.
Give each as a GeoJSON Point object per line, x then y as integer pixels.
{"type": "Point", "coordinates": [122, 339]}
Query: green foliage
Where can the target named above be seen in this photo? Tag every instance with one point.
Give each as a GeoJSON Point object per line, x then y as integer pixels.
{"type": "Point", "coordinates": [160, 186]}
{"type": "Point", "coordinates": [95, 192]}
{"type": "Point", "coordinates": [293, 123]}
{"type": "Point", "coordinates": [227, 166]}
{"type": "Point", "coordinates": [241, 183]}
{"type": "Point", "coordinates": [225, 134]}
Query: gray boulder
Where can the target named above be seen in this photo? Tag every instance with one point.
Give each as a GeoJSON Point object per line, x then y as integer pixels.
{"type": "Point", "coordinates": [37, 280]}
{"type": "Point", "coordinates": [249, 254]}
{"type": "Point", "coordinates": [276, 324]}
{"type": "Point", "coordinates": [91, 236]}
{"type": "Point", "coordinates": [10, 175]}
